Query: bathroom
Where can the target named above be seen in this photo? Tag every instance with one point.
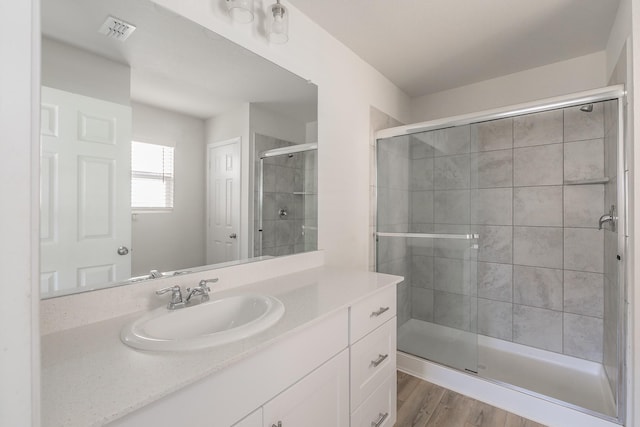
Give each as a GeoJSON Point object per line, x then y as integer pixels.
{"type": "Point", "coordinates": [347, 115]}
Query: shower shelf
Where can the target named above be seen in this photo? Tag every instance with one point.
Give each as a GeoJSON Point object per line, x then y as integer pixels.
{"type": "Point", "coordinates": [304, 193]}
{"type": "Point", "coordinates": [602, 180]}
{"type": "Point", "coordinates": [429, 236]}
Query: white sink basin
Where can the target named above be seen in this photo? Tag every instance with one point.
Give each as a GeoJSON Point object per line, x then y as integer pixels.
{"type": "Point", "coordinates": [216, 322]}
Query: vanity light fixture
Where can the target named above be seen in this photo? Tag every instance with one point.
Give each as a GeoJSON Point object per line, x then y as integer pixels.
{"type": "Point", "coordinates": [278, 23]}
{"type": "Point", "coordinates": [241, 11]}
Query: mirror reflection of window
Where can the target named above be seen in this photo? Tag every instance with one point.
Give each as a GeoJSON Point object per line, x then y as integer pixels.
{"type": "Point", "coordinates": [151, 176]}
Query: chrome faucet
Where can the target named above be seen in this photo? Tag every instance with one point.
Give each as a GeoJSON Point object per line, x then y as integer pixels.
{"type": "Point", "coordinates": [202, 290]}
{"type": "Point", "coordinates": [176, 297]}
{"type": "Point", "coordinates": [177, 301]}
{"type": "Point", "coordinates": [610, 218]}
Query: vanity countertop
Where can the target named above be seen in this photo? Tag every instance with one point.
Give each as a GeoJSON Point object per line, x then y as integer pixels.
{"type": "Point", "coordinates": [89, 377]}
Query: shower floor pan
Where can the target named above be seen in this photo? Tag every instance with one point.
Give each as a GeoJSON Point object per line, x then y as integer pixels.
{"type": "Point", "coordinates": [541, 373]}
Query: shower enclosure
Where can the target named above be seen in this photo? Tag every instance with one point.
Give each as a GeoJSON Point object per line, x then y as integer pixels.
{"type": "Point", "coordinates": [509, 229]}
{"type": "Point", "coordinates": [285, 199]}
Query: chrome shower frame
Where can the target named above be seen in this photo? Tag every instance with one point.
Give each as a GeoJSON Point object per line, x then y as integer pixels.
{"type": "Point", "coordinates": [609, 93]}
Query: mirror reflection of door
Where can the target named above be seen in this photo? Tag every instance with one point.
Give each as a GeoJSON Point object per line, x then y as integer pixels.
{"type": "Point", "coordinates": [223, 201]}
{"type": "Point", "coordinates": [85, 191]}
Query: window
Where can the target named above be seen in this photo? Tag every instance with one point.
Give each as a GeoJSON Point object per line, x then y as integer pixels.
{"type": "Point", "coordinates": [151, 176]}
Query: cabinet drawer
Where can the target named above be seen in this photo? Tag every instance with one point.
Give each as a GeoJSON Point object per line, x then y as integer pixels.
{"type": "Point", "coordinates": [372, 312]}
{"type": "Point", "coordinates": [379, 409]}
{"type": "Point", "coordinates": [373, 359]}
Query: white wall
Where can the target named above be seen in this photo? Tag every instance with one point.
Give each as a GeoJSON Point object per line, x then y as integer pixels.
{"type": "Point", "coordinates": [269, 123]}
{"type": "Point", "coordinates": [172, 240]}
{"type": "Point", "coordinates": [347, 87]}
{"type": "Point", "coordinates": [573, 75]}
{"type": "Point", "coordinates": [75, 70]}
{"type": "Point", "coordinates": [19, 191]}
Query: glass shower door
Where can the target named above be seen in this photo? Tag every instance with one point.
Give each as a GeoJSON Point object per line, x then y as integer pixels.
{"type": "Point", "coordinates": [424, 234]}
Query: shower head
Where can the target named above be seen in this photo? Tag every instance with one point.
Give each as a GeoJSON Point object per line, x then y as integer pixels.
{"type": "Point", "coordinates": [587, 108]}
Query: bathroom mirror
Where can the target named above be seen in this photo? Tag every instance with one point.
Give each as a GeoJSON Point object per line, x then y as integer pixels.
{"type": "Point", "coordinates": [165, 149]}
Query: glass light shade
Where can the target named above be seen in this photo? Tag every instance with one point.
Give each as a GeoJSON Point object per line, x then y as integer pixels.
{"type": "Point", "coordinates": [240, 10]}
{"type": "Point", "coordinates": [278, 24]}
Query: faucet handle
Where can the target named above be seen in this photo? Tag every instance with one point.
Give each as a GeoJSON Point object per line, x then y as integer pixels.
{"type": "Point", "coordinates": [176, 296]}
{"type": "Point", "coordinates": [203, 284]}
{"type": "Point", "coordinates": [172, 289]}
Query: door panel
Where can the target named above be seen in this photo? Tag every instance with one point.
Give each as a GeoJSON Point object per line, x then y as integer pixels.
{"type": "Point", "coordinates": [85, 191]}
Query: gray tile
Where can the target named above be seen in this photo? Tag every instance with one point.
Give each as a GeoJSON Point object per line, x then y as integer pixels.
{"type": "Point", "coordinates": [455, 140]}
{"type": "Point", "coordinates": [397, 267]}
{"type": "Point", "coordinates": [418, 246]}
{"type": "Point", "coordinates": [419, 148]}
{"type": "Point", "coordinates": [584, 160]}
{"type": "Point", "coordinates": [392, 170]}
{"type": "Point", "coordinates": [537, 246]}
{"type": "Point", "coordinates": [451, 248]}
{"type": "Point", "coordinates": [451, 206]}
{"type": "Point", "coordinates": [492, 169]}
{"type": "Point", "coordinates": [285, 179]}
{"type": "Point", "coordinates": [581, 125]}
{"type": "Point", "coordinates": [421, 207]}
{"type": "Point", "coordinates": [453, 275]}
{"type": "Point", "coordinates": [541, 206]}
{"type": "Point", "coordinates": [583, 337]}
{"type": "Point", "coordinates": [610, 252]}
{"type": "Point", "coordinates": [422, 271]}
{"type": "Point", "coordinates": [492, 206]}
{"type": "Point", "coordinates": [403, 296]}
{"type": "Point", "coordinates": [495, 281]}
{"type": "Point", "coordinates": [537, 287]}
{"type": "Point", "coordinates": [393, 206]}
{"type": "Point", "coordinates": [454, 310]}
{"type": "Point", "coordinates": [421, 174]}
{"type": "Point", "coordinates": [492, 135]}
{"type": "Point", "coordinates": [422, 304]}
{"type": "Point", "coordinates": [537, 166]}
{"type": "Point", "coordinates": [584, 293]}
{"type": "Point", "coordinates": [584, 249]}
{"type": "Point", "coordinates": [495, 319]}
{"type": "Point", "coordinates": [391, 248]}
{"type": "Point", "coordinates": [583, 205]}
{"type": "Point", "coordinates": [537, 327]}
{"type": "Point", "coordinates": [538, 129]}
{"type": "Point", "coordinates": [495, 243]}
{"type": "Point", "coordinates": [451, 172]}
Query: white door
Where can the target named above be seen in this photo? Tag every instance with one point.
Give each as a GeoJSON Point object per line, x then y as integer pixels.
{"type": "Point", "coordinates": [320, 399]}
{"type": "Point", "coordinates": [85, 199]}
{"type": "Point", "coordinates": [223, 201]}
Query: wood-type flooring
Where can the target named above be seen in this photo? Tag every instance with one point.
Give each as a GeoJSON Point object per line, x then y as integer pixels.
{"type": "Point", "coordinates": [422, 404]}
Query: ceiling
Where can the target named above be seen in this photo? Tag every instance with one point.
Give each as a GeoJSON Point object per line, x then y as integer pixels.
{"type": "Point", "coordinates": [168, 69]}
{"type": "Point", "coordinates": [426, 46]}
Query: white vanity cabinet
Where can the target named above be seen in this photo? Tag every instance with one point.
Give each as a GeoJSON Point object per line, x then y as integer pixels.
{"type": "Point", "coordinates": [373, 360]}
{"type": "Point", "coordinates": [339, 371]}
{"type": "Point", "coordinates": [320, 399]}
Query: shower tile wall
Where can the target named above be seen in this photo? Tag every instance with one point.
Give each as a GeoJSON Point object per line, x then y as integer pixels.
{"type": "Point", "coordinates": [290, 184]}
{"type": "Point", "coordinates": [540, 269]}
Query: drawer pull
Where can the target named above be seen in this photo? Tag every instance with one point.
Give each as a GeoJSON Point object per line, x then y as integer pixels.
{"type": "Point", "coordinates": [380, 419]}
{"type": "Point", "coordinates": [381, 358]}
{"type": "Point", "coordinates": [278, 425]}
{"type": "Point", "coordinates": [379, 312]}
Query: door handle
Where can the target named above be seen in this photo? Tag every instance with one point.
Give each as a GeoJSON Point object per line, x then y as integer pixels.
{"type": "Point", "coordinates": [233, 236]}
{"type": "Point", "coordinates": [123, 250]}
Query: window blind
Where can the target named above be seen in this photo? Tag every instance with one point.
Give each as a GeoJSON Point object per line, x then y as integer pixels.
{"type": "Point", "coordinates": [152, 176]}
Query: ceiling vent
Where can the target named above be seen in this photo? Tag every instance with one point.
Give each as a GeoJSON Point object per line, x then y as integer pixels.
{"type": "Point", "coordinates": [116, 29]}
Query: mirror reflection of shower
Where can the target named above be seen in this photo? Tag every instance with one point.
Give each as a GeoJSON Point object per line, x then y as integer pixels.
{"type": "Point", "coordinates": [285, 198]}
